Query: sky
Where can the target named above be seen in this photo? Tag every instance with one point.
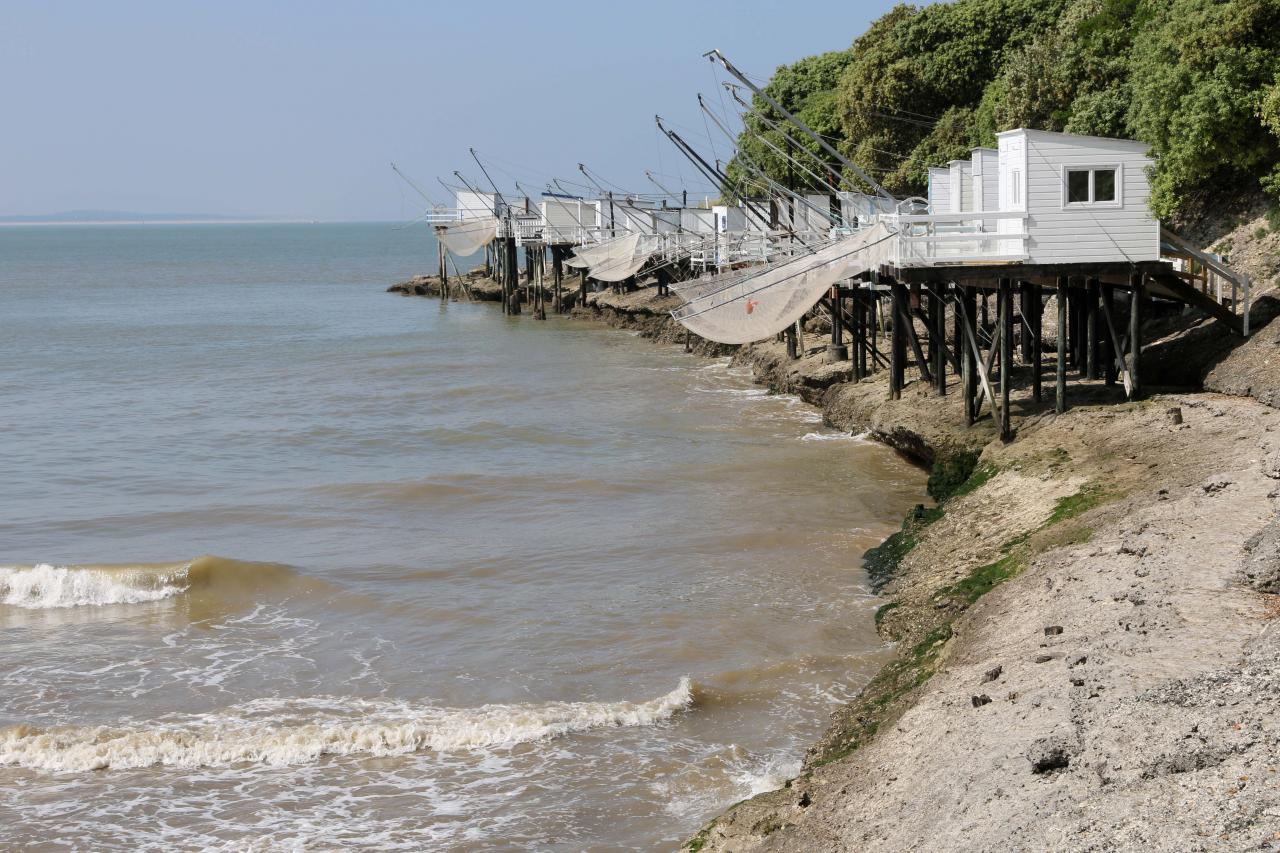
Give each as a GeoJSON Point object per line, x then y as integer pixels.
{"type": "Point", "coordinates": [296, 109]}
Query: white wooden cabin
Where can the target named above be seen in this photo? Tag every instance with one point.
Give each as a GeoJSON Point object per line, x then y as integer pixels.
{"type": "Point", "coordinates": [1085, 197]}
{"type": "Point", "coordinates": [1056, 198]}
{"type": "Point", "coordinates": [474, 205]}
{"type": "Point", "coordinates": [960, 177]}
{"type": "Point", "coordinates": [939, 194]}
{"type": "Point", "coordinates": [985, 169]}
{"type": "Point", "coordinates": [697, 220]}
{"type": "Point", "coordinates": [567, 220]}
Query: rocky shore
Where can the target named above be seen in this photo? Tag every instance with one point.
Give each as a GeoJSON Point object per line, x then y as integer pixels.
{"type": "Point", "coordinates": [1087, 645]}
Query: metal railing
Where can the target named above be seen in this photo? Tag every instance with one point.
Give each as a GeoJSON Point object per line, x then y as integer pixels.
{"type": "Point", "coordinates": [975, 237]}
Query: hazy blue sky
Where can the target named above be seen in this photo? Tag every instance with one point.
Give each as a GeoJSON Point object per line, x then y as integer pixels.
{"type": "Point", "coordinates": [296, 108]}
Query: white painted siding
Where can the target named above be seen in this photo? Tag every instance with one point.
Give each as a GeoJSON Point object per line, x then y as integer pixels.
{"type": "Point", "coordinates": [474, 205]}
{"type": "Point", "coordinates": [698, 220]}
{"type": "Point", "coordinates": [561, 218]}
{"type": "Point", "coordinates": [939, 190]}
{"type": "Point", "coordinates": [961, 186]}
{"type": "Point", "coordinates": [986, 179]}
{"type": "Point", "coordinates": [1058, 233]}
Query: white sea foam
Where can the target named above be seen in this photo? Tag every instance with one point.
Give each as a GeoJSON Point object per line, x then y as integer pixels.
{"type": "Point", "coordinates": [44, 586]}
{"type": "Point", "coordinates": [833, 436]}
{"type": "Point", "coordinates": [772, 775]}
{"type": "Point", "coordinates": [252, 733]}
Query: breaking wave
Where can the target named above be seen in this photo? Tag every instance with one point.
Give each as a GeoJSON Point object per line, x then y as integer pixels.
{"type": "Point", "coordinates": [45, 586]}
{"type": "Point", "coordinates": [254, 734]}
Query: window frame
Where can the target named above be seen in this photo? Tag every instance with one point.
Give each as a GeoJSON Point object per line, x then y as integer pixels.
{"type": "Point", "coordinates": [1093, 169]}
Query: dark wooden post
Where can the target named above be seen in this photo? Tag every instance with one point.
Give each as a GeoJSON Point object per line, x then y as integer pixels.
{"type": "Point", "coordinates": [938, 335]}
{"type": "Point", "coordinates": [1006, 355]}
{"type": "Point", "coordinates": [873, 322]}
{"type": "Point", "coordinates": [539, 272]}
{"type": "Point", "coordinates": [1091, 329]}
{"type": "Point", "coordinates": [1036, 321]}
{"type": "Point", "coordinates": [859, 336]}
{"type": "Point", "coordinates": [968, 359]}
{"type": "Point", "coordinates": [1060, 402]}
{"type": "Point", "coordinates": [836, 350]}
{"type": "Point", "coordinates": [557, 262]}
{"type": "Point", "coordinates": [1110, 345]}
{"type": "Point", "coordinates": [1135, 334]}
{"type": "Point", "coordinates": [442, 257]}
{"type": "Point", "coordinates": [898, 348]}
{"type": "Point", "coordinates": [513, 276]}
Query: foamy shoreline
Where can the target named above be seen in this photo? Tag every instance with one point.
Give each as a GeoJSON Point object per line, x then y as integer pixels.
{"type": "Point", "coordinates": [1065, 625]}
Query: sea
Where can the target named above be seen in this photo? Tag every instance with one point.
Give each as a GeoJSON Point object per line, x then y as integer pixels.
{"type": "Point", "coordinates": [288, 562]}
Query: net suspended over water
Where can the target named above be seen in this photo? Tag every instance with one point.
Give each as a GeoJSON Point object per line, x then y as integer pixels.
{"type": "Point", "coordinates": [468, 236]}
{"type": "Point", "coordinates": [747, 306]}
{"type": "Point", "coordinates": [614, 260]}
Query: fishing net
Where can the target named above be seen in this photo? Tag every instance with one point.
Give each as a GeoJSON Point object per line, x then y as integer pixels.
{"type": "Point", "coordinates": [614, 260]}
{"type": "Point", "coordinates": [745, 307]}
{"type": "Point", "coordinates": [625, 258]}
{"type": "Point", "coordinates": [469, 236]}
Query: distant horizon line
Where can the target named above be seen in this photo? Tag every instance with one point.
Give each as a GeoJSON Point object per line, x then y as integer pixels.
{"type": "Point", "coordinates": [126, 218]}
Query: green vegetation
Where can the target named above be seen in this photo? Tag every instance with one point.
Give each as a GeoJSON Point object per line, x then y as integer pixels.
{"type": "Point", "coordinates": [1196, 79]}
{"type": "Point", "coordinates": [881, 562]}
{"type": "Point", "coordinates": [883, 697]}
{"type": "Point", "coordinates": [951, 476]}
{"type": "Point", "coordinates": [949, 473]}
{"type": "Point", "coordinates": [982, 580]}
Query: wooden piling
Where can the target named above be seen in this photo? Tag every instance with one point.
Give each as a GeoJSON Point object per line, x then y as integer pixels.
{"type": "Point", "coordinates": [898, 347]}
{"type": "Point", "coordinates": [1060, 401]}
{"type": "Point", "coordinates": [967, 332]}
{"type": "Point", "coordinates": [1006, 356]}
{"type": "Point", "coordinates": [1109, 346]}
{"type": "Point", "coordinates": [938, 335]}
{"type": "Point", "coordinates": [1135, 334]}
{"type": "Point", "coordinates": [1091, 329]}
{"type": "Point", "coordinates": [1035, 303]}
{"type": "Point", "coordinates": [859, 336]}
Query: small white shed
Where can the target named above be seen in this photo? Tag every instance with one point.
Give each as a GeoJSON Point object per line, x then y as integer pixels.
{"type": "Point", "coordinates": [939, 190]}
{"type": "Point", "coordinates": [565, 218]}
{"type": "Point", "coordinates": [961, 175]}
{"type": "Point", "coordinates": [473, 205]}
{"type": "Point", "coordinates": [985, 168]}
{"type": "Point", "coordinates": [1085, 197]}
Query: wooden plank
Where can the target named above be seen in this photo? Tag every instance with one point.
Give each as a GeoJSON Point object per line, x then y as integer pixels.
{"type": "Point", "coordinates": [1188, 294]}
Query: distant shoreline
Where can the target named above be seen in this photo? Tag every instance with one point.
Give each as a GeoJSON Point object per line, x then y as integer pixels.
{"type": "Point", "coordinates": [11, 223]}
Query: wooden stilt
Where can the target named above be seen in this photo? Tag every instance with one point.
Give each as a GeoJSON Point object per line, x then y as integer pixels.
{"type": "Point", "coordinates": [557, 273]}
{"type": "Point", "coordinates": [513, 276]}
{"type": "Point", "coordinates": [1060, 401]}
{"type": "Point", "coordinates": [1137, 296]}
{"type": "Point", "coordinates": [966, 309]}
{"type": "Point", "coordinates": [836, 350]}
{"type": "Point", "coordinates": [1036, 306]}
{"type": "Point", "coordinates": [859, 337]}
{"type": "Point", "coordinates": [898, 348]}
{"type": "Point", "coordinates": [444, 270]}
{"type": "Point", "coordinates": [1006, 356]}
{"type": "Point", "coordinates": [1109, 342]}
{"type": "Point", "coordinates": [1091, 329]}
{"type": "Point", "coordinates": [873, 322]}
{"type": "Point", "coordinates": [937, 336]}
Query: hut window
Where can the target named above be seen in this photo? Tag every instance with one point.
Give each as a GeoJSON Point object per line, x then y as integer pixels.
{"type": "Point", "coordinates": [1092, 186]}
{"type": "Point", "coordinates": [1104, 185]}
{"type": "Point", "coordinates": [1077, 186]}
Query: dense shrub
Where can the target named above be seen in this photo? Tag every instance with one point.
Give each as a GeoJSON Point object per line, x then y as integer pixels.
{"type": "Point", "coordinates": [1197, 79]}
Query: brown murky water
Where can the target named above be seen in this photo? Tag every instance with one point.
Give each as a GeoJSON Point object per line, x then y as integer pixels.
{"type": "Point", "coordinates": [480, 583]}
